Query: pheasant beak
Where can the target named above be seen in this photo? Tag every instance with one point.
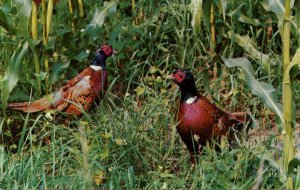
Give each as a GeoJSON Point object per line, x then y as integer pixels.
{"type": "Point", "coordinates": [115, 52]}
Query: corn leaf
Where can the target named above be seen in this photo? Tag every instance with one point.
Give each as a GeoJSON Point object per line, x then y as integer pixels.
{"type": "Point", "coordinates": [11, 76]}
{"type": "Point", "coordinates": [3, 20]}
{"type": "Point", "coordinates": [222, 4]}
{"type": "Point", "coordinates": [244, 19]}
{"type": "Point", "coordinates": [206, 6]}
{"type": "Point", "coordinates": [100, 15]}
{"type": "Point", "coordinates": [24, 10]}
{"type": "Point", "coordinates": [196, 10]}
{"type": "Point", "coordinates": [261, 89]}
{"type": "Point", "coordinates": [294, 163]}
{"type": "Point", "coordinates": [57, 69]}
{"type": "Point", "coordinates": [276, 6]}
{"type": "Point", "coordinates": [248, 45]}
{"type": "Point", "coordinates": [293, 70]}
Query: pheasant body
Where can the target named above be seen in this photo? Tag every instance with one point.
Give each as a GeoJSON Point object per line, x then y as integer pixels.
{"type": "Point", "coordinates": [199, 121]}
{"type": "Point", "coordinates": [79, 93]}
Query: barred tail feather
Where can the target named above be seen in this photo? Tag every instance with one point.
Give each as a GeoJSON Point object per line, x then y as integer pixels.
{"type": "Point", "coordinates": [30, 107]}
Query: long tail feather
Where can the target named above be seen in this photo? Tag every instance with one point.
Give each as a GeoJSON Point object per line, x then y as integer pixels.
{"type": "Point", "coordinates": [31, 107]}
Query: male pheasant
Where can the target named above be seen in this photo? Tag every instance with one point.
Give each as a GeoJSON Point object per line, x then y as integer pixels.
{"type": "Point", "coordinates": [77, 94]}
{"type": "Point", "coordinates": [199, 120]}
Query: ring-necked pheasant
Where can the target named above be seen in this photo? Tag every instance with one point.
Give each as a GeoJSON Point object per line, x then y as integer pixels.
{"type": "Point", "coordinates": [81, 91]}
{"type": "Point", "coordinates": [199, 120]}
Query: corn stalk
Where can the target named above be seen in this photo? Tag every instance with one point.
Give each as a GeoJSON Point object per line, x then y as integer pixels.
{"type": "Point", "coordinates": [212, 29]}
{"type": "Point", "coordinates": [287, 96]}
{"type": "Point", "coordinates": [34, 31]}
{"type": "Point", "coordinates": [46, 19]}
{"type": "Point", "coordinates": [213, 37]}
{"type": "Point", "coordinates": [71, 10]}
{"type": "Point", "coordinates": [81, 10]}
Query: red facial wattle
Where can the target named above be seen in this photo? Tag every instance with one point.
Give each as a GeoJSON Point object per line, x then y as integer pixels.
{"type": "Point", "coordinates": [108, 50]}
{"type": "Point", "coordinates": [178, 76]}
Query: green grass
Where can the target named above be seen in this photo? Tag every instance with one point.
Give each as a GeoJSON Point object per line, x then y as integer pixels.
{"type": "Point", "coordinates": [128, 149]}
{"type": "Point", "coordinates": [120, 145]}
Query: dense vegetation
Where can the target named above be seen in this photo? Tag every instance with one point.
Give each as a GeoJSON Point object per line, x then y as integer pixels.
{"type": "Point", "coordinates": [130, 141]}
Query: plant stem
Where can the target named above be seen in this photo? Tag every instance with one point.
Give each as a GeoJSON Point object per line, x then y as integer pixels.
{"type": "Point", "coordinates": [44, 15]}
{"type": "Point", "coordinates": [34, 31]}
{"type": "Point", "coordinates": [71, 10]}
{"type": "Point", "coordinates": [47, 19]}
{"type": "Point", "coordinates": [287, 96]}
{"type": "Point", "coordinates": [34, 21]}
{"type": "Point", "coordinates": [212, 29]}
{"type": "Point", "coordinates": [132, 6]}
{"type": "Point", "coordinates": [81, 10]}
{"type": "Point", "coordinates": [213, 38]}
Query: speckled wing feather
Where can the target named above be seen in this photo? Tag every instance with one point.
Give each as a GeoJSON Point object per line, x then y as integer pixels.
{"type": "Point", "coordinates": [62, 98]}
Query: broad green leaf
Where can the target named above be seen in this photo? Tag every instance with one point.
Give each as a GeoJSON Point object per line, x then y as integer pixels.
{"type": "Point", "coordinates": [19, 95]}
{"type": "Point", "coordinates": [297, 11]}
{"type": "Point", "coordinates": [248, 45]}
{"type": "Point", "coordinates": [196, 10]}
{"type": "Point", "coordinates": [296, 23]}
{"type": "Point", "coordinates": [206, 7]}
{"type": "Point", "coordinates": [261, 89]}
{"type": "Point", "coordinates": [24, 10]}
{"type": "Point", "coordinates": [237, 10]}
{"type": "Point", "coordinates": [3, 20]}
{"type": "Point", "coordinates": [100, 15]}
{"type": "Point", "coordinates": [293, 69]}
{"type": "Point", "coordinates": [57, 69]}
{"type": "Point", "coordinates": [81, 56]}
{"type": "Point", "coordinates": [294, 163]}
{"type": "Point", "coordinates": [11, 76]}
{"type": "Point", "coordinates": [41, 75]}
{"type": "Point", "coordinates": [222, 4]}
{"type": "Point", "coordinates": [276, 6]}
{"type": "Point", "coordinates": [247, 20]}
